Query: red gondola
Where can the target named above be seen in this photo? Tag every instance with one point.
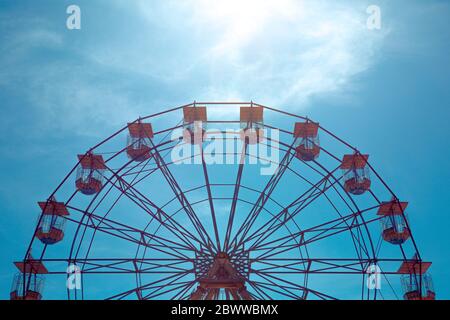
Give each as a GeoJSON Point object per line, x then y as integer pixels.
{"type": "Point", "coordinates": [356, 173]}
{"type": "Point", "coordinates": [51, 226]}
{"type": "Point", "coordinates": [139, 141]}
{"type": "Point", "coordinates": [416, 282]}
{"type": "Point", "coordinates": [410, 284]}
{"type": "Point", "coordinates": [195, 119]}
{"type": "Point", "coordinates": [90, 173]}
{"type": "Point", "coordinates": [252, 124]}
{"type": "Point", "coordinates": [395, 228]}
{"type": "Point", "coordinates": [28, 284]}
{"type": "Point", "coordinates": [307, 146]}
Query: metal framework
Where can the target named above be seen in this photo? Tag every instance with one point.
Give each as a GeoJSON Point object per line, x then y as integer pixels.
{"type": "Point", "coordinates": [152, 228]}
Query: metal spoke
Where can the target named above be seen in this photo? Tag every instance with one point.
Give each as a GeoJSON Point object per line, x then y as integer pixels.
{"type": "Point", "coordinates": [262, 199]}
{"type": "Point", "coordinates": [235, 196]}
{"type": "Point", "coordinates": [182, 199]}
{"type": "Point", "coordinates": [210, 199]}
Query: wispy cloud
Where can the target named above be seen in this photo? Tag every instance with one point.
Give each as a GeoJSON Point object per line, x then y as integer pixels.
{"type": "Point", "coordinates": [159, 53]}
{"type": "Point", "coordinates": [59, 88]}
{"type": "Point", "coordinates": [281, 52]}
{"type": "Point", "coordinates": [287, 56]}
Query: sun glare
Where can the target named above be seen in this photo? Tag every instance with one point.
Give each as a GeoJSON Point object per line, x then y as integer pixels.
{"type": "Point", "coordinates": [242, 19]}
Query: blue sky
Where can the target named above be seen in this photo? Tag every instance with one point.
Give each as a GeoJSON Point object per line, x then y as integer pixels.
{"type": "Point", "coordinates": [385, 91]}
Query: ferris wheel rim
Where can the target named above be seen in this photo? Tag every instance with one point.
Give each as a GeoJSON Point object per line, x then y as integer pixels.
{"type": "Point", "coordinates": [234, 103]}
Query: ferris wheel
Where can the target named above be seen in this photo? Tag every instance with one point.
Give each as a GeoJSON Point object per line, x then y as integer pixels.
{"type": "Point", "coordinates": [231, 200]}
